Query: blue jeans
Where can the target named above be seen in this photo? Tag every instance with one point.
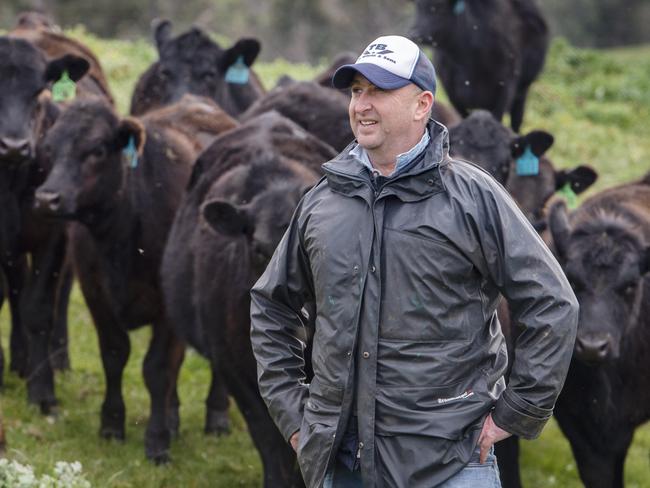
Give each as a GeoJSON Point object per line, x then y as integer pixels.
{"type": "Point", "coordinates": [473, 475]}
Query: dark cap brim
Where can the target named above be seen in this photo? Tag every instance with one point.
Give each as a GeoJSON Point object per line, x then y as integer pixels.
{"type": "Point", "coordinates": [374, 74]}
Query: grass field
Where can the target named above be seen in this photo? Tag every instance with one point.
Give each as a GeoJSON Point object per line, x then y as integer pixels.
{"type": "Point", "coordinates": [597, 106]}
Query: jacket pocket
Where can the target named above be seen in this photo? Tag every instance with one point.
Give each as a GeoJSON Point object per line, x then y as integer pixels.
{"type": "Point", "coordinates": [444, 412]}
{"type": "Point", "coordinates": [317, 432]}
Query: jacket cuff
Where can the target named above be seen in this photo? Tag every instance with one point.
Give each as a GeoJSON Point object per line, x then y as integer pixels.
{"type": "Point", "coordinates": [516, 416]}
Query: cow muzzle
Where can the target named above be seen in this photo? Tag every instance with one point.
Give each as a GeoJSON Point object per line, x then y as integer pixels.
{"type": "Point", "coordinates": [594, 348]}
{"type": "Point", "coordinates": [15, 149]}
{"type": "Point", "coordinates": [47, 201]}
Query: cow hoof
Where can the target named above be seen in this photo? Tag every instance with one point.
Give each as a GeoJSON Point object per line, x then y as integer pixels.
{"type": "Point", "coordinates": [49, 408]}
{"type": "Point", "coordinates": [116, 433]}
{"type": "Point", "coordinates": [18, 366]}
{"type": "Point", "coordinates": [160, 458]}
{"type": "Point", "coordinates": [217, 422]}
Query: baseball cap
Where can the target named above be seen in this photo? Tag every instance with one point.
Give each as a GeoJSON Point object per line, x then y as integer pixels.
{"type": "Point", "coordinates": [390, 62]}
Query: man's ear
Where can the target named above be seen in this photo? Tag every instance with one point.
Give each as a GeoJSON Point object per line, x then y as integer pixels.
{"type": "Point", "coordinates": [538, 140]}
{"type": "Point", "coordinates": [425, 104]}
{"type": "Point", "coordinates": [580, 178]}
{"type": "Point", "coordinates": [162, 32]}
{"type": "Point", "coordinates": [226, 218]}
{"type": "Point", "coordinates": [131, 127]}
{"type": "Point", "coordinates": [76, 66]}
{"type": "Point", "coordinates": [248, 49]}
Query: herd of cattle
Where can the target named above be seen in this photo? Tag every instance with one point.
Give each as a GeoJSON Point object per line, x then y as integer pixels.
{"type": "Point", "coordinates": [168, 216]}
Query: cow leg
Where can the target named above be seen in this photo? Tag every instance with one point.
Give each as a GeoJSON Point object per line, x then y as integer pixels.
{"type": "Point", "coordinates": [158, 376]}
{"type": "Point", "coordinates": [507, 453]}
{"type": "Point", "coordinates": [600, 469]}
{"type": "Point", "coordinates": [38, 305]}
{"type": "Point", "coordinates": [60, 357]}
{"type": "Point", "coordinates": [115, 348]}
{"type": "Point", "coordinates": [173, 416]}
{"type": "Point", "coordinates": [217, 420]}
{"type": "Point", "coordinates": [517, 108]}
{"type": "Point", "coordinates": [16, 273]}
{"type": "Point", "coordinates": [278, 458]}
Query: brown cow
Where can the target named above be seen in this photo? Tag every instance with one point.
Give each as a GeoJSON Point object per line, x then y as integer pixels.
{"type": "Point", "coordinates": [120, 181]}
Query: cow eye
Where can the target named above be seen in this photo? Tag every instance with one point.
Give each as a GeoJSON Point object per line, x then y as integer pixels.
{"type": "Point", "coordinates": [629, 290]}
{"type": "Point", "coordinates": [208, 75]}
{"type": "Point", "coordinates": [166, 73]}
{"type": "Point", "coordinates": [99, 152]}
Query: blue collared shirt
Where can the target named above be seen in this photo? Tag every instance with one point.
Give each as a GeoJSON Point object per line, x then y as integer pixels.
{"type": "Point", "coordinates": [402, 159]}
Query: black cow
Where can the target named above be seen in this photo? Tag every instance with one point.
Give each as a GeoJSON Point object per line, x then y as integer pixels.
{"type": "Point", "coordinates": [120, 181]}
{"type": "Point", "coordinates": [604, 248]}
{"type": "Point", "coordinates": [193, 63]}
{"type": "Point", "coordinates": [483, 140]}
{"type": "Point", "coordinates": [242, 194]}
{"type": "Point", "coordinates": [487, 52]}
{"type": "Point", "coordinates": [320, 111]}
{"type": "Point", "coordinates": [32, 249]}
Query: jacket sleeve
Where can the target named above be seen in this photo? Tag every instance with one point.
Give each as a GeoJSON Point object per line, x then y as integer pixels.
{"type": "Point", "coordinates": [543, 308]}
{"type": "Point", "coordinates": [277, 300]}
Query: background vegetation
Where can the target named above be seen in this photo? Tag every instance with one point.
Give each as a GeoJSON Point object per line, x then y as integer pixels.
{"type": "Point", "coordinates": [300, 30]}
{"type": "Point", "coordinates": [595, 103]}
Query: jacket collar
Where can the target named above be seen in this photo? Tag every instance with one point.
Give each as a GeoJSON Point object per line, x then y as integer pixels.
{"type": "Point", "coordinates": [347, 175]}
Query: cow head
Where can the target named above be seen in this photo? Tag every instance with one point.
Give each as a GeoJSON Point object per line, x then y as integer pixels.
{"type": "Point", "coordinates": [25, 76]}
{"type": "Point", "coordinates": [606, 260]}
{"type": "Point", "coordinates": [86, 146]}
{"type": "Point", "coordinates": [194, 63]}
{"type": "Point", "coordinates": [531, 192]}
{"type": "Point", "coordinates": [435, 19]}
{"type": "Point", "coordinates": [262, 221]}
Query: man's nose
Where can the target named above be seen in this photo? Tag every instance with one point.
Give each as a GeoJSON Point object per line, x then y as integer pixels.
{"type": "Point", "coordinates": [362, 103]}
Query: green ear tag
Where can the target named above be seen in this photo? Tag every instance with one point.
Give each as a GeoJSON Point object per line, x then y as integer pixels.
{"type": "Point", "coordinates": [571, 198]}
{"type": "Point", "coordinates": [131, 153]}
{"type": "Point", "coordinates": [527, 163]}
{"type": "Point", "coordinates": [238, 72]}
{"type": "Point", "coordinates": [459, 7]}
{"type": "Point", "coordinates": [64, 88]}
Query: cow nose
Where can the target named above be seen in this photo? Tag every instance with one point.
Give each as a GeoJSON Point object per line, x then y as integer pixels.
{"type": "Point", "coordinates": [48, 200]}
{"type": "Point", "coordinates": [593, 349]}
{"type": "Point", "coordinates": [14, 148]}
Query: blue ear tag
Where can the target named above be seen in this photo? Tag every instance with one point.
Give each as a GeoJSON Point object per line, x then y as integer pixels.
{"type": "Point", "coordinates": [459, 7]}
{"type": "Point", "coordinates": [131, 153]}
{"type": "Point", "coordinates": [569, 195]}
{"type": "Point", "coordinates": [238, 72]}
{"type": "Point", "coordinates": [527, 163]}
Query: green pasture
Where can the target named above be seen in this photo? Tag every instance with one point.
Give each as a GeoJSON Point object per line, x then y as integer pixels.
{"type": "Point", "coordinates": [596, 104]}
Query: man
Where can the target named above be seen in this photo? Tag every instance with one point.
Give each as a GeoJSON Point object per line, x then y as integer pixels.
{"type": "Point", "coordinates": [403, 253]}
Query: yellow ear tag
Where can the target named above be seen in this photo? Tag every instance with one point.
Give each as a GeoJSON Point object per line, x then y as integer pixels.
{"type": "Point", "coordinates": [64, 88]}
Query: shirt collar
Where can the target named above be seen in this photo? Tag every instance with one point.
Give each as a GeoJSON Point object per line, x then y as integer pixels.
{"type": "Point", "coordinates": [401, 161]}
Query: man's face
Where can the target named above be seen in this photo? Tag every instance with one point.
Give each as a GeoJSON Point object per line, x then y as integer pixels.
{"type": "Point", "coordinates": [383, 120]}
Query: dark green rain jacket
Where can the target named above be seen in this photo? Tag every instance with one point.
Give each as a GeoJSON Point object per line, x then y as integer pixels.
{"type": "Point", "coordinates": [405, 278]}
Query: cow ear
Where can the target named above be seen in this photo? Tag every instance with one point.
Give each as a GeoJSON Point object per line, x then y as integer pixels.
{"type": "Point", "coordinates": [226, 218]}
{"type": "Point", "coordinates": [538, 140]}
{"type": "Point", "coordinates": [76, 67]}
{"type": "Point", "coordinates": [558, 224]}
{"type": "Point", "coordinates": [130, 127]}
{"type": "Point", "coordinates": [580, 178]}
{"type": "Point", "coordinates": [248, 49]}
{"type": "Point", "coordinates": [645, 261]}
{"type": "Point", "coordinates": [162, 31]}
